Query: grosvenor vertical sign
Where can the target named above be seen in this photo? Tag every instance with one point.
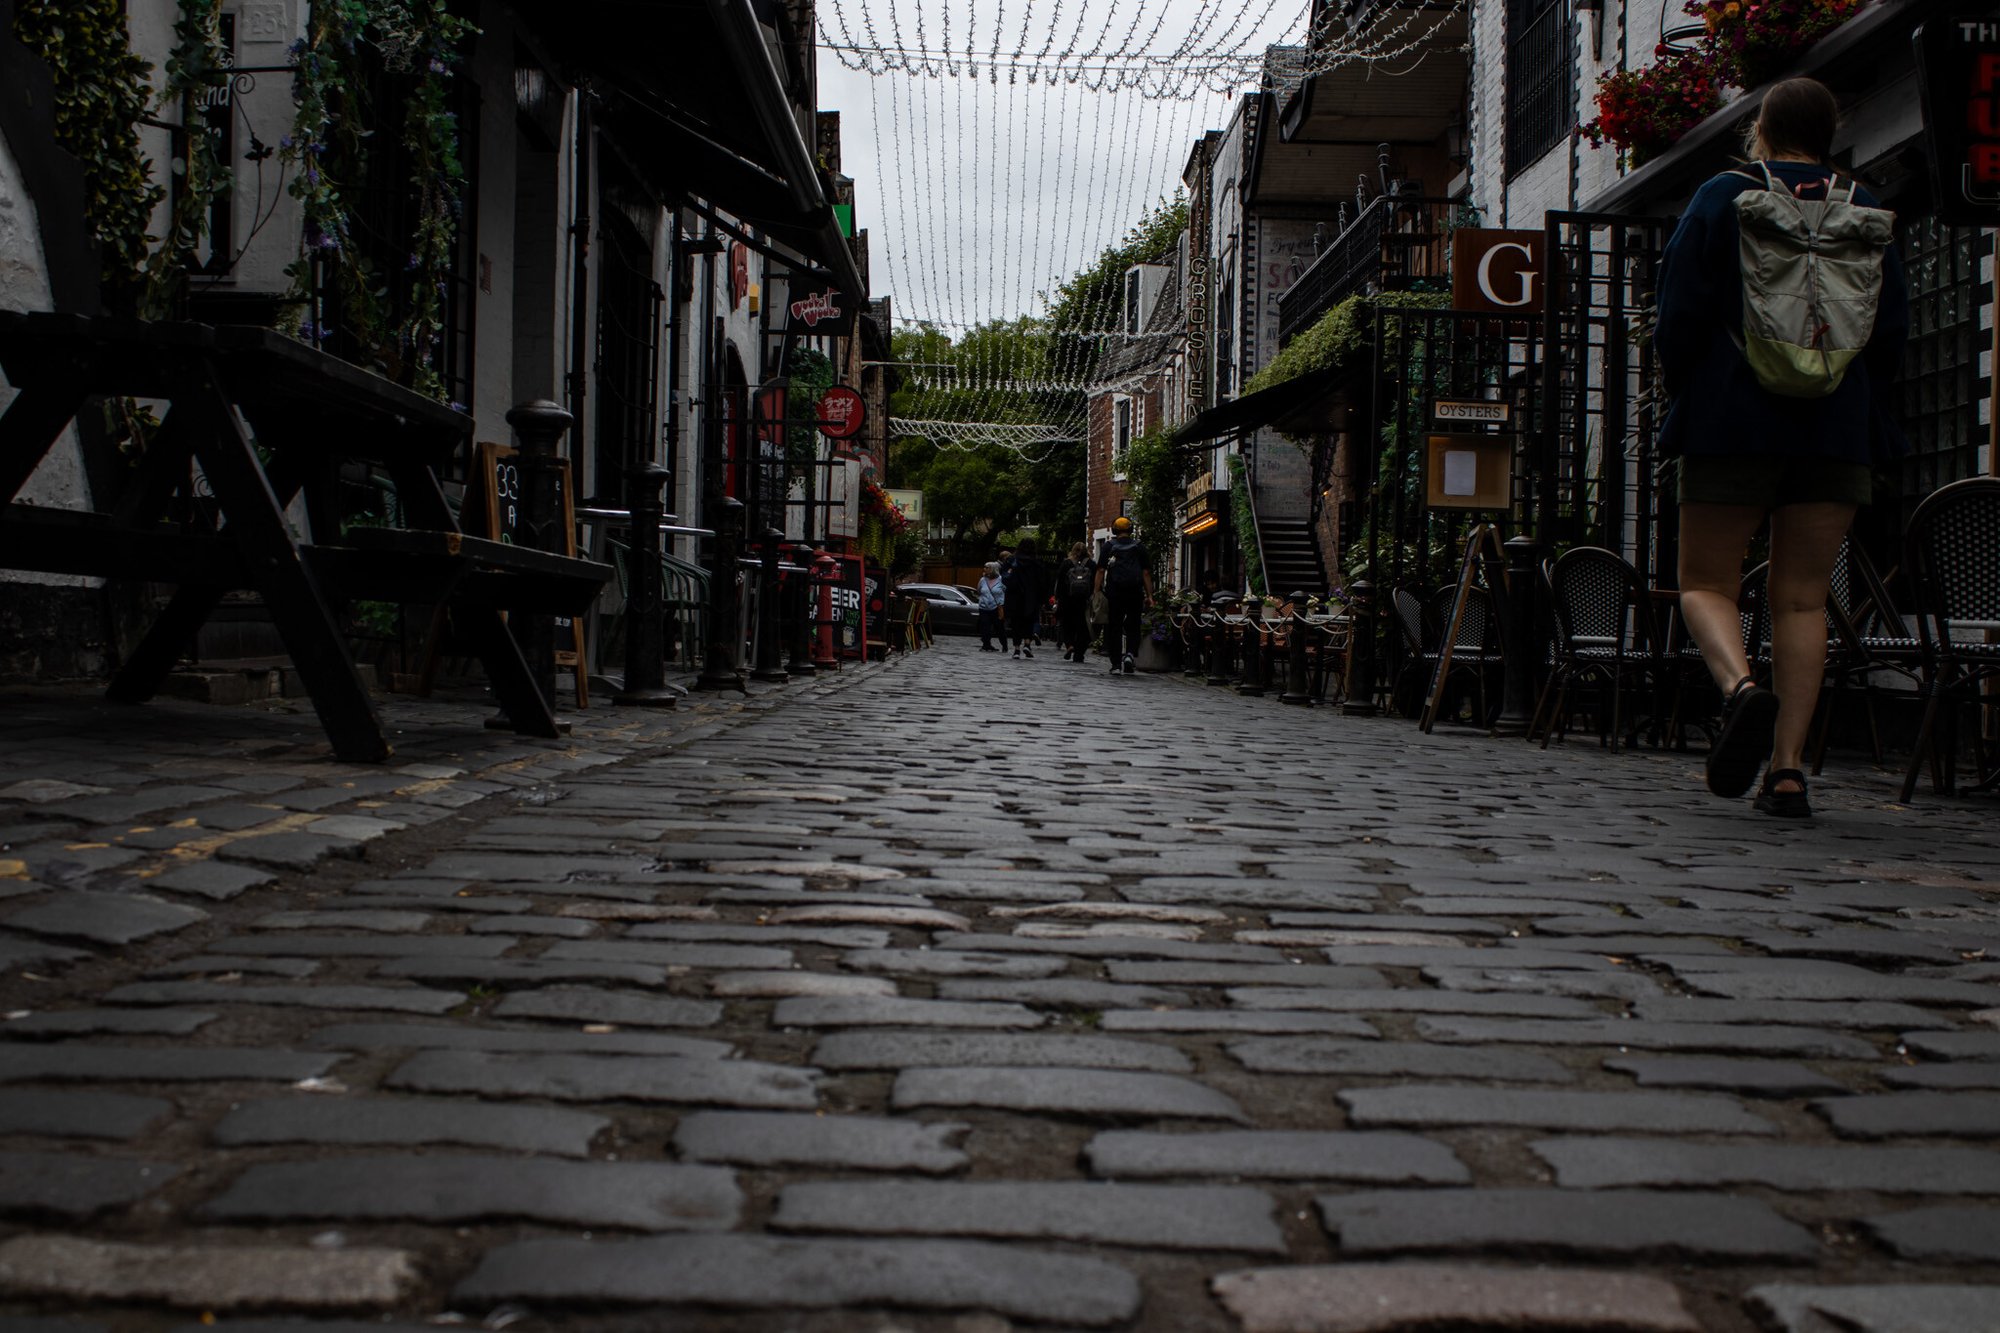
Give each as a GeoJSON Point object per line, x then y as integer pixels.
{"type": "Point", "coordinates": [1958, 74]}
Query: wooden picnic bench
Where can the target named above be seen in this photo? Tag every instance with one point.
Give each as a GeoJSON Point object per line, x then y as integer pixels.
{"type": "Point", "coordinates": [267, 421]}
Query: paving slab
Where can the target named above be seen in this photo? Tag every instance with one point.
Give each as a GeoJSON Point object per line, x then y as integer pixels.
{"type": "Point", "coordinates": [1380, 1158]}
{"type": "Point", "coordinates": [76, 1062]}
{"type": "Point", "coordinates": [1614, 1163]}
{"type": "Point", "coordinates": [1386, 1001]}
{"type": "Point", "coordinates": [362, 946]}
{"type": "Point", "coordinates": [1443, 1105]}
{"type": "Point", "coordinates": [1752, 1078]}
{"type": "Point", "coordinates": [1628, 1224]}
{"type": "Point", "coordinates": [624, 1008]}
{"type": "Point", "coordinates": [1090, 1092]}
{"type": "Point", "coordinates": [104, 918]}
{"type": "Point", "coordinates": [592, 1078]}
{"type": "Point", "coordinates": [952, 963]}
{"type": "Point", "coordinates": [74, 1186]}
{"type": "Point", "coordinates": [641, 1196]}
{"type": "Point", "coordinates": [761, 1273]}
{"type": "Point", "coordinates": [1891, 1308]}
{"type": "Point", "coordinates": [398, 999]}
{"type": "Point", "coordinates": [911, 1050]}
{"type": "Point", "coordinates": [780, 985]}
{"type": "Point", "coordinates": [1889, 1115]}
{"type": "Point", "coordinates": [1956, 1233]}
{"type": "Point", "coordinates": [1394, 1059]}
{"type": "Point", "coordinates": [1229, 1021]}
{"type": "Point", "coordinates": [1243, 974]}
{"type": "Point", "coordinates": [1404, 1298]}
{"type": "Point", "coordinates": [429, 1036]}
{"type": "Point", "coordinates": [841, 1142]}
{"type": "Point", "coordinates": [1173, 1217]}
{"type": "Point", "coordinates": [208, 1277]}
{"type": "Point", "coordinates": [80, 1115]}
{"type": "Point", "coordinates": [70, 1022]}
{"type": "Point", "coordinates": [408, 1122]}
{"type": "Point", "coordinates": [1622, 1033]}
{"type": "Point", "coordinates": [843, 1011]}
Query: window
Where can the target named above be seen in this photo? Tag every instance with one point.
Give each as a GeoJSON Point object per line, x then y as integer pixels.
{"type": "Point", "coordinates": [1541, 79]}
{"type": "Point", "coordinates": [1131, 300]}
{"type": "Point", "coordinates": [1941, 390]}
{"type": "Point", "coordinates": [1225, 341]}
{"type": "Point", "coordinates": [1121, 433]}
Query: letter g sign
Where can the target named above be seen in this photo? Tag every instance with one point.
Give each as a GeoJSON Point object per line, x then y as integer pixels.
{"type": "Point", "coordinates": [1498, 271]}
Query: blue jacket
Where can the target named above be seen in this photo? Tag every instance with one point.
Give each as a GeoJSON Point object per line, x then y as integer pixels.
{"type": "Point", "coordinates": [992, 592]}
{"type": "Point", "coordinates": [1716, 405]}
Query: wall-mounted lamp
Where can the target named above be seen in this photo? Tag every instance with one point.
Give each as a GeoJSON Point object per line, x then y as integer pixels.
{"type": "Point", "coordinates": [1457, 140]}
{"type": "Point", "coordinates": [1594, 8]}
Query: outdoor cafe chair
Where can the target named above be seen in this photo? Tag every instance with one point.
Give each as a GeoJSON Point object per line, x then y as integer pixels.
{"type": "Point", "coordinates": [1604, 637]}
{"type": "Point", "coordinates": [1420, 641]}
{"type": "Point", "coordinates": [1475, 648]}
{"type": "Point", "coordinates": [1954, 572]}
{"type": "Point", "coordinates": [1865, 636]}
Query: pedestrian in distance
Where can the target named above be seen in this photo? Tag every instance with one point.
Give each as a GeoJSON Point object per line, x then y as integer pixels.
{"type": "Point", "coordinates": [1781, 318]}
{"type": "Point", "coordinates": [1027, 588]}
{"type": "Point", "coordinates": [1126, 578]}
{"type": "Point", "coordinates": [992, 592]}
{"type": "Point", "coordinates": [1075, 579]}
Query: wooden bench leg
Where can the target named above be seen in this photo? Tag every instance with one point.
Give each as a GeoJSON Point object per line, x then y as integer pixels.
{"type": "Point", "coordinates": [139, 678]}
{"type": "Point", "coordinates": [507, 671]}
{"type": "Point", "coordinates": [292, 594]}
{"type": "Point", "coordinates": [33, 423]}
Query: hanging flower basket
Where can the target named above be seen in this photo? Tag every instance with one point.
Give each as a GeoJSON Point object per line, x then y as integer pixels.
{"type": "Point", "coordinates": [1646, 110]}
{"type": "Point", "coordinates": [1756, 41]}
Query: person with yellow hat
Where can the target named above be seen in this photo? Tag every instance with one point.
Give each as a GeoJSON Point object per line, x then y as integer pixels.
{"type": "Point", "coordinates": [1125, 577]}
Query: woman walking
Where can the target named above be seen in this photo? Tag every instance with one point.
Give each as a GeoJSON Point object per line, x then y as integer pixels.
{"type": "Point", "coordinates": [1074, 578]}
{"type": "Point", "coordinates": [1027, 589]}
{"type": "Point", "coordinates": [1800, 454]}
{"type": "Point", "coordinates": [992, 595]}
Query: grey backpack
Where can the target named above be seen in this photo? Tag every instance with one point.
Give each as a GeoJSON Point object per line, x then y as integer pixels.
{"type": "Point", "coordinates": [1812, 282]}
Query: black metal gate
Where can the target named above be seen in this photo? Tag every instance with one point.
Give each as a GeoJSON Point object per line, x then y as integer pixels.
{"type": "Point", "coordinates": [1596, 472]}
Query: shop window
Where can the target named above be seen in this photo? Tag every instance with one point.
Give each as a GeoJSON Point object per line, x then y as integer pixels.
{"type": "Point", "coordinates": [1541, 79]}
{"type": "Point", "coordinates": [1122, 427]}
{"type": "Point", "coordinates": [1941, 390]}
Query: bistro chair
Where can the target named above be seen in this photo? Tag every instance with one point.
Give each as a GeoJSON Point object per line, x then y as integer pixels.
{"type": "Point", "coordinates": [1865, 636]}
{"type": "Point", "coordinates": [1954, 572]}
{"type": "Point", "coordinates": [1475, 648]}
{"type": "Point", "coordinates": [1420, 640]}
{"type": "Point", "coordinates": [1604, 637]}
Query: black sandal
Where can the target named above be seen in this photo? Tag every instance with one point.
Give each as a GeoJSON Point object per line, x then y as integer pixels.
{"type": "Point", "coordinates": [1784, 804]}
{"type": "Point", "coordinates": [1749, 719]}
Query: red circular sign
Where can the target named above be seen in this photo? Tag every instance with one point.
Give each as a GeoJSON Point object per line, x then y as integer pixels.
{"type": "Point", "coordinates": [841, 413]}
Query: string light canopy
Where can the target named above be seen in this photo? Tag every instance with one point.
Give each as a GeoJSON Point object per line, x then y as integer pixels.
{"type": "Point", "coordinates": [1018, 140]}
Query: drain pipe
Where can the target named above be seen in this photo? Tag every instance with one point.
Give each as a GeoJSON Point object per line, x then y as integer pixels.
{"type": "Point", "coordinates": [576, 382]}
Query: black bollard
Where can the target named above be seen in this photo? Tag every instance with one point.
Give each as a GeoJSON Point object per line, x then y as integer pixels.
{"type": "Point", "coordinates": [1193, 648]}
{"type": "Point", "coordinates": [1517, 639]}
{"type": "Point", "coordinates": [1251, 683]}
{"type": "Point", "coordinates": [645, 608]}
{"type": "Point", "coordinates": [540, 425]}
{"type": "Point", "coordinates": [722, 654]}
{"type": "Point", "coordinates": [798, 613]}
{"type": "Point", "coordinates": [770, 667]}
{"type": "Point", "coordinates": [1360, 697]}
{"type": "Point", "coordinates": [1218, 640]}
{"type": "Point", "coordinates": [1298, 688]}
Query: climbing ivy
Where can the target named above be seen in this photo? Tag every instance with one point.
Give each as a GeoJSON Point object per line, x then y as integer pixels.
{"type": "Point", "coordinates": [1339, 335]}
{"type": "Point", "coordinates": [812, 374]}
{"type": "Point", "coordinates": [197, 68]}
{"type": "Point", "coordinates": [101, 91]}
{"type": "Point", "coordinates": [1156, 475]}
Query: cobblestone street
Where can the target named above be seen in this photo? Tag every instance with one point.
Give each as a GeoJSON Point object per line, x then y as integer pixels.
{"type": "Point", "coordinates": [966, 993]}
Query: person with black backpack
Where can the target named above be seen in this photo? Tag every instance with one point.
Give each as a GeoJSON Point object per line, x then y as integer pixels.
{"type": "Point", "coordinates": [1027, 589]}
{"type": "Point", "coordinates": [1075, 579]}
{"type": "Point", "coordinates": [1781, 317]}
{"type": "Point", "coordinates": [1125, 575]}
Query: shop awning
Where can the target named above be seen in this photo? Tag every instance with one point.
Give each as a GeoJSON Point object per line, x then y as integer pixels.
{"type": "Point", "coordinates": [689, 91]}
{"type": "Point", "coordinates": [1295, 404]}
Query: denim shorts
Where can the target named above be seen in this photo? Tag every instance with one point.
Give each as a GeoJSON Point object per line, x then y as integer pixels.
{"type": "Point", "coordinates": [1769, 483]}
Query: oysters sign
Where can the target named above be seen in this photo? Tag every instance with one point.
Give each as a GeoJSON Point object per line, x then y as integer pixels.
{"type": "Point", "coordinates": [819, 308]}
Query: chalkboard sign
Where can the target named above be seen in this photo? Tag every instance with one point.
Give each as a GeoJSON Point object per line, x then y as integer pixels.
{"type": "Point", "coordinates": [875, 596]}
{"type": "Point", "coordinates": [495, 513]}
{"type": "Point", "coordinates": [850, 600]}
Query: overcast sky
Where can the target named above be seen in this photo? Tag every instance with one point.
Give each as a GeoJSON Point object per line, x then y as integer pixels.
{"type": "Point", "coordinates": [981, 191]}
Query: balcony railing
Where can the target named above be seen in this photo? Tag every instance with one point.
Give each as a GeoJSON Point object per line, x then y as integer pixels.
{"type": "Point", "coordinates": [1398, 242]}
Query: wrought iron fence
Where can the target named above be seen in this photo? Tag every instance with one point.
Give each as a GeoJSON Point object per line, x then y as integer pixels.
{"type": "Point", "coordinates": [1398, 242]}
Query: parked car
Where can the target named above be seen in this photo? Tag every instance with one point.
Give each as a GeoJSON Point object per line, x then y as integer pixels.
{"type": "Point", "coordinates": [953, 610]}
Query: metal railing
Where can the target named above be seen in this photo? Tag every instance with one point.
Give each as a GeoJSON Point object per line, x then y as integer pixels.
{"type": "Point", "coordinates": [1397, 242]}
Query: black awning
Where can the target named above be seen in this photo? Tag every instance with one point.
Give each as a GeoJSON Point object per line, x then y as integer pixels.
{"type": "Point", "coordinates": [1295, 400]}
{"type": "Point", "coordinates": [688, 90]}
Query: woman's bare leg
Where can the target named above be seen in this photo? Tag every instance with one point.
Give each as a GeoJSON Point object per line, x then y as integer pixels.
{"type": "Point", "coordinates": [1713, 540]}
{"type": "Point", "coordinates": [1805, 539]}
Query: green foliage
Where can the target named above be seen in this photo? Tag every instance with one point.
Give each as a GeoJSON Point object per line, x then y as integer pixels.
{"type": "Point", "coordinates": [327, 149]}
{"type": "Point", "coordinates": [1340, 335]}
{"type": "Point", "coordinates": [1246, 523]}
{"type": "Point", "coordinates": [1156, 477]}
{"type": "Point", "coordinates": [1092, 301]}
{"type": "Point", "coordinates": [101, 92]}
{"type": "Point", "coordinates": [812, 374]}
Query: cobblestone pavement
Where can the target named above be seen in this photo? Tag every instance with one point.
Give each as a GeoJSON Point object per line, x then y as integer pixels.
{"type": "Point", "coordinates": [965, 994]}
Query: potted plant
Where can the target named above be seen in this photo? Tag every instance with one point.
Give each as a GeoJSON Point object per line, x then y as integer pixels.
{"type": "Point", "coordinates": [1754, 41]}
{"type": "Point", "coordinates": [1159, 644]}
{"type": "Point", "coordinates": [1646, 110]}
